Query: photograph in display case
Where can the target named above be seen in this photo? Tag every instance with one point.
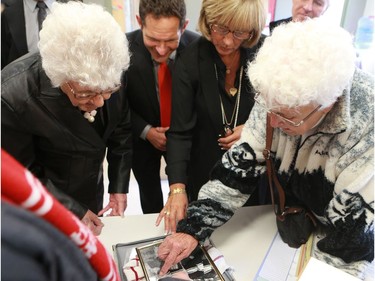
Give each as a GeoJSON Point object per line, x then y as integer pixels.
{"type": "Point", "coordinates": [198, 266]}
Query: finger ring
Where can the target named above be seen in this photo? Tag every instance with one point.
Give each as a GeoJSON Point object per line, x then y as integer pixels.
{"type": "Point", "coordinates": [167, 213]}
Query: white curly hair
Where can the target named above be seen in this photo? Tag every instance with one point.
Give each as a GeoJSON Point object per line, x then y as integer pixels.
{"type": "Point", "coordinates": [83, 43]}
{"type": "Point", "coordinates": [303, 62]}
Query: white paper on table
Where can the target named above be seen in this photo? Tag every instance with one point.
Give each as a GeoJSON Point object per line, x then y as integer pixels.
{"type": "Point", "coordinates": [278, 262]}
{"type": "Point", "coordinates": [318, 270]}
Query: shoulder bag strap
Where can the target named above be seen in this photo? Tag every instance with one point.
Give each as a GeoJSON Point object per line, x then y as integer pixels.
{"type": "Point", "coordinates": [272, 178]}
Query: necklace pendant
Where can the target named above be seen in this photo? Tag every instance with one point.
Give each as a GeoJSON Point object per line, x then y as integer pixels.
{"type": "Point", "coordinates": [227, 71]}
{"type": "Point", "coordinates": [233, 91]}
{"type": "Point", "coordinates": [228, 130]}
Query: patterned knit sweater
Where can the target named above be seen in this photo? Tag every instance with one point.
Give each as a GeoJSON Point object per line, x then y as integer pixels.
{"type": "Point", "coordinates": [331, 172]}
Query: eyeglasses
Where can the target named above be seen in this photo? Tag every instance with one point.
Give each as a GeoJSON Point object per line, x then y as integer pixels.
{"type": "Point", "coordinates": [90, 95]}
{"type": "Point", "coordinates": [290, 122]}
{"type": "Point", "coordinates": [223, 30]}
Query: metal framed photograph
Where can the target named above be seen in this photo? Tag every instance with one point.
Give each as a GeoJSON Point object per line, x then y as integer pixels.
{"type": "Point", "coordinates": [197, 267]}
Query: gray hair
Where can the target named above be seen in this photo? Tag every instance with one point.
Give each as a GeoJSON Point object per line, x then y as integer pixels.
{"type": "Point", "coordinates": [83, 43]}
{"type": "Point", "coordinates": [303, 62]}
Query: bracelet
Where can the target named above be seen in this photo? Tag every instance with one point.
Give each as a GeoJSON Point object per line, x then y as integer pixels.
{"type": "Point", "coordinates": [177, 190]}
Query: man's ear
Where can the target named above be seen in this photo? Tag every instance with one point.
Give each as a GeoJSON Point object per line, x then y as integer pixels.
{"type": "Point", "coordinates": [185, 25]}
{"type": "Point", "coordinates": [139, 20]}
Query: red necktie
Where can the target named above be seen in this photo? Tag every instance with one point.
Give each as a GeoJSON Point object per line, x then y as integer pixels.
{"type": "Point", "coordinates": [165, 93]}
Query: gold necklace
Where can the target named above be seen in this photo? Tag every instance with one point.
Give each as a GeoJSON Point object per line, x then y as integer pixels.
{"type": "Point", "coordinates": [232, 90]}
{"type": "Point", "coordinates": [228, 68]}
{"type": "Point", "coordinates": [228, 126]}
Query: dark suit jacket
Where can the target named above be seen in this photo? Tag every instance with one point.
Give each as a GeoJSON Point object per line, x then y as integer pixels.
{"type": "Point", "coordinates": [141, 85]}
{"type": "Point", "coordinates": [274, 24]}
{"type": "Point", "coordinates": [50, 137]}
{"type": "Point", "coordinates": [13, 31]}
{"type": "Point", "coordinates": [196, 115]}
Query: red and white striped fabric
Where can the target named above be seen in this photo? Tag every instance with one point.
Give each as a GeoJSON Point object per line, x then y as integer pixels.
{"type": "Point", "coordinates": [133, 270]}
{"type": "Point", "coordinates": [20, 187]}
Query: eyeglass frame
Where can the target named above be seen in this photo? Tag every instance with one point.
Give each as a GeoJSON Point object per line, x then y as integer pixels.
{"type": "Point", "coordinates": [290, 122]}
{"type": "Point", "coordinates": [84, 96]}
{"type": "Point", "coordinates": [226, 30]}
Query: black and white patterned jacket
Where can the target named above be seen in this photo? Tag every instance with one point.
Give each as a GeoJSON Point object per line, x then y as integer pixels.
{"type": "Point", "coordinates": [331, 172]}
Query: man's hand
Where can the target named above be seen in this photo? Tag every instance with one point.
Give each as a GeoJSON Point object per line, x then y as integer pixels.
{"type": "Point", "coordinates": [92, 222]}
{"type": "Point", "coordinates": [117, 204]}
{"type": "Point", "coordinates": [156, 136]}
{"type": "Point", "coordinates": [174, 210]}
{"type": "Point", "coordinates": [175, 248]}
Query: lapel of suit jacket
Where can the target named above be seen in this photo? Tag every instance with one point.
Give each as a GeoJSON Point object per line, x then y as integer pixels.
{"type": "Point", "coordinates": [16, 22]}
{"type": "Point", "coordinates": [73, 123]}
{"type": "Point", "coordinates": [210, 87]}
{"type": "Point", "coordinates": [143, 60]}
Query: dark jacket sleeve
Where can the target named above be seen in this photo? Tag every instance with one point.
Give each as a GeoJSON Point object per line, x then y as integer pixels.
{"type": "Point", "coordinates": [16, 140]}
{"type": "Point", "coordinates": [119, 145]}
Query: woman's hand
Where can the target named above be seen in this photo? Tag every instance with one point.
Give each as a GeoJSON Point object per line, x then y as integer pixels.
{"type": "Point", "coordinates": [117, 204]}
{"type": "Point", "coordinates": [175, 208]}
{"type": "Point", "coordinates": [230, 138]}
{"type": "Point", "coordinates": [175, 248]}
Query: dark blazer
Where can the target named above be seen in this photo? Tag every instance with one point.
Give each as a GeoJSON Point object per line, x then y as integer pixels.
{"type": "Point", "coordinates": [145, 110]}
{"type": "Point", "coordinates": [196, 115]}
{"type": "Point", "coordinates": [274, 24]}
{"type": "Point", "coordinates": [49, 136]}
{"type": "Point", "coordinates": [13, 31]}
{"type": "Point", "coordinates": [141, 85]}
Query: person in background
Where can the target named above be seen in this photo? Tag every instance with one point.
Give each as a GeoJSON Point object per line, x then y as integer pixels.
{"type": "Point", "coordinates": [20, 27]}
{"type": "Point", "coordinates": [211, 99]}
{"type": "Point", "coordinates": [303, 9]}
{"type": "Point", "coordinates": [61, 111]}
{"type": "Point", "coordinates": [322, 148]}
{"type": "Point", "coordinates": [160, 40]}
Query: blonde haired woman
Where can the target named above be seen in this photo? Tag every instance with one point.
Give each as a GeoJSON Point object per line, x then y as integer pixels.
{"type": "Point", "coordinates": [211, 99]}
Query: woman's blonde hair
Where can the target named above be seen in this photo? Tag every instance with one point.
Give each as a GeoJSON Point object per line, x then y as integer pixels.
{"type": "Point", "coordinates": [245, 15]}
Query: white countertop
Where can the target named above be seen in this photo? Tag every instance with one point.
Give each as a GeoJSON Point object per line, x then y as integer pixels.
{"type": "Point", "coordinates": [244, 240]}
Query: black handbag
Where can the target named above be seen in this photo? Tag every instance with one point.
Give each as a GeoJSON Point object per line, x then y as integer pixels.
{"type": "Point", "coordinates": [295, 223]}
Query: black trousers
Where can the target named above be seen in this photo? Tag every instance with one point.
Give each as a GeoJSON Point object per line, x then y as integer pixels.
{"type": "Point", "coordinates": [146, 169]}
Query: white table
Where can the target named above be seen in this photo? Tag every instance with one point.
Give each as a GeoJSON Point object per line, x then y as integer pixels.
{"type": "Point", "coordinates": [244, 240]}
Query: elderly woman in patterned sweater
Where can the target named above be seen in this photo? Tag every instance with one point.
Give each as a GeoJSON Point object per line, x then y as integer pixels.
{"type": "Point", "coordinates": [321, 109]}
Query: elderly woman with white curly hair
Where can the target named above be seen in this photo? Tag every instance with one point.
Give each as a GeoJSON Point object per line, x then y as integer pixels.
{"type": "Point", "coordinates": [61, 110]}
{"type": "Point", "coordinates": [321, 109]}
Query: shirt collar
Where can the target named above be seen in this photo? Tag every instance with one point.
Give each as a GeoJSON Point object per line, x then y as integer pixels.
{"type": "Point", "coordinates": [30, 5]}
{"type": "Point", "coordinates": [172, 57]}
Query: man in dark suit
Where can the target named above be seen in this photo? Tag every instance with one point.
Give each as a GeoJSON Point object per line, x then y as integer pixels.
{"type": "Point", "coordinates": [161, 38]}
{"type": "Point", "coordinates": [19, 28]}
{"type": "Point", "coordinates": [303, 9]}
